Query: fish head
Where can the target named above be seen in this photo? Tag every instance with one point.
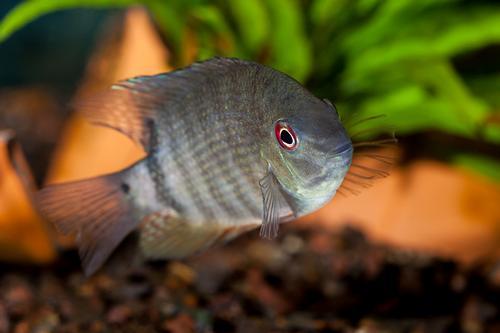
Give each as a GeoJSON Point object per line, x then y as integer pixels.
{"type": "Point", "coordinates": [309, 153]}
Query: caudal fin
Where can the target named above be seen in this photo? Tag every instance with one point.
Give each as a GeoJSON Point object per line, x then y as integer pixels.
{"type": "Point", "coordinates": [95, 210]}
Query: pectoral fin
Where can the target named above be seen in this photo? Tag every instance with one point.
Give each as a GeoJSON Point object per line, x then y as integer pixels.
{"type": "Point", "coordinates": [275, 205]}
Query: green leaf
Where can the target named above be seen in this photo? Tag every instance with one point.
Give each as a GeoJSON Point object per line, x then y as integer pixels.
{"type": "Point", "coordinates": [212, 18]}
{"type": "Point", "coordinates": [216, 36]}
{"type": "Point", "coordinates": [388, 19]}
{"type": "Point", "coordinates": [291, 51]}
{"type": "Point", "coordinates": [252, 22]}
{"type": "Point", "coordinates": [476, 31]}
{"type": "Point", "coordinates": [323, 11]}
{"type": "Point", "coordinates": [172, 20]}
{"type": "Point", "coordinates": [28, 11]}
{"type": "Point", "coordinates": [411, 108]}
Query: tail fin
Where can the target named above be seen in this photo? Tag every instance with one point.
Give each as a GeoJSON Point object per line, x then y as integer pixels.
{"type": "Point", "coordinates": [95, 210]}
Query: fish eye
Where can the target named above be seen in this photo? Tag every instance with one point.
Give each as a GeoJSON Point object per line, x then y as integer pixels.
{"type": "Point", "coordinates": [285, 135]}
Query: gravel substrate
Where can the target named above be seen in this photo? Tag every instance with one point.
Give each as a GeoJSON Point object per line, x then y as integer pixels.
{"type": "Point", "coordinates": [305, 281]}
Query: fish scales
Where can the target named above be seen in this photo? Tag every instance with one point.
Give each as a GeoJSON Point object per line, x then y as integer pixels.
{"type": "Point", "coordinates": [213, 172]}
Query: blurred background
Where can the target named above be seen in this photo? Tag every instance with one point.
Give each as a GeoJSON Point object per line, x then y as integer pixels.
{"type": "Point", "coordinates": [423, 242]}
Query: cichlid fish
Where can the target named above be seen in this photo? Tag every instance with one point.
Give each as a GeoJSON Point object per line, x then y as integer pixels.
{"type": "Point", "coordinates": [231, 145]}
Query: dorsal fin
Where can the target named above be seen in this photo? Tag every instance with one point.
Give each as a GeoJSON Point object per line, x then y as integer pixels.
{"type": "Point", "coordinates": [132, 106]}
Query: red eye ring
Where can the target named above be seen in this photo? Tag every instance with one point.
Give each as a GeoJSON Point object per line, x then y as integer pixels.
{"type": "Point", "coordinates": [286, 136]}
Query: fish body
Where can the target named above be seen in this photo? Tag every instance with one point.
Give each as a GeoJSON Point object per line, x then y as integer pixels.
{"type": "Point", "coordinates": [231, 145]}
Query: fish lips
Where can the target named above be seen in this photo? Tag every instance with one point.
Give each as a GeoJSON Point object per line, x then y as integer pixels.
{"type": "Point", "coordinates": [322, 185]}
{"type": "Point", "coordinates": [337, 165]}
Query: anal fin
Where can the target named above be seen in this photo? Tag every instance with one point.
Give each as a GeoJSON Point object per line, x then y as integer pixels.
{"type": "Point", "coordinates": [164, 235]}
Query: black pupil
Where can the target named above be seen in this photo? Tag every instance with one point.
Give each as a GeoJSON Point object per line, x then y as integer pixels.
{"type": "Point", "coordinates": [286, 137]}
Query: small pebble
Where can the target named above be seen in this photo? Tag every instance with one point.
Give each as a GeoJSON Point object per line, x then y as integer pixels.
{"type": "Point", "coordinates": [4, 320]}
{"type": "Point", "coordinates": [119, 314]}
{"type": "Point", "coordinates": [19, 300]}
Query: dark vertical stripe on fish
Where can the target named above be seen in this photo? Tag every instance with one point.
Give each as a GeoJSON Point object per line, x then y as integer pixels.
{"type": "Point", "coordinates": [155, 170]}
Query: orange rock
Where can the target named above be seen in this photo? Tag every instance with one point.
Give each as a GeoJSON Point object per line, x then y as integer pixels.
{"type": "Point", "coordinates": [428, 206]}
{"type": "Point", "coordinates": [23, 234]}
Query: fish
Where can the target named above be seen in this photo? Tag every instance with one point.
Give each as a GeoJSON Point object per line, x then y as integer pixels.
{"type": "Point", "coordinates": [231, 145]}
